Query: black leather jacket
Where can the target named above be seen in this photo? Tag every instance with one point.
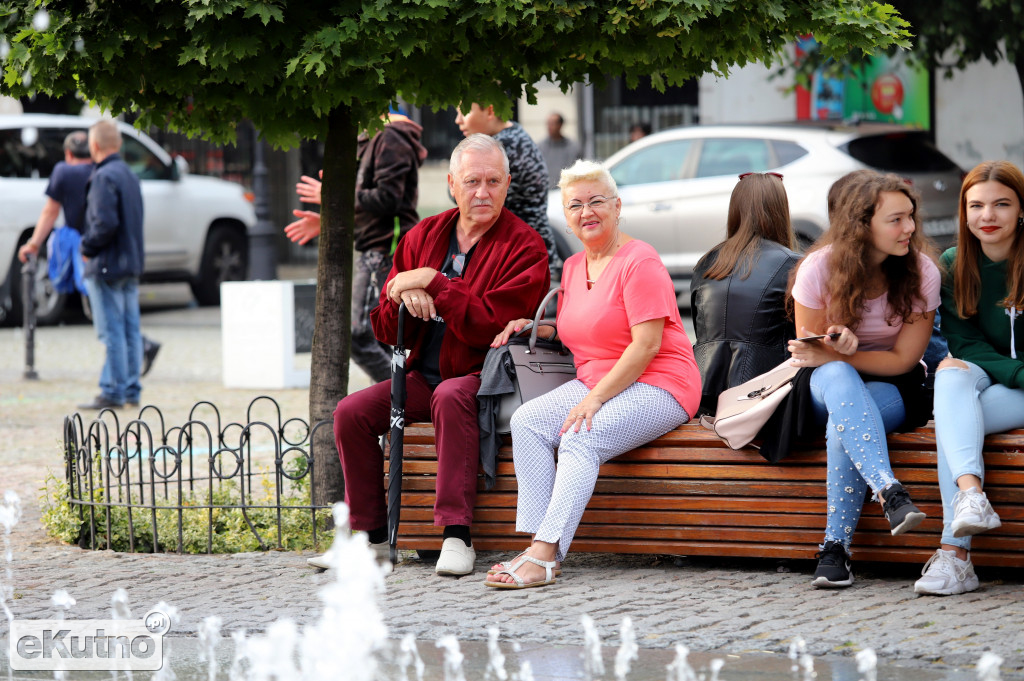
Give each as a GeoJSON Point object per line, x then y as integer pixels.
{"type": "Point", "coordinates": [740, 324]}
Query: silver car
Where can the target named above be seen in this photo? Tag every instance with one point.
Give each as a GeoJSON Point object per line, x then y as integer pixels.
{"type": "Point", "coordinates": [675, 185]}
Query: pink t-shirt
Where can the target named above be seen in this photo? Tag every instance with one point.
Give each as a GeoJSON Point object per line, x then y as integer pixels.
{"type": "Point", "coordinates": [594, 324]}
{"type": "Point", "coordinates": [874, 331]}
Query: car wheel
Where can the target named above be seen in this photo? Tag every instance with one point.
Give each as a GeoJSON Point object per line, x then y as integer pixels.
{"type": "Point", "coordinates": [49, 303]}
{"type": "Point", "coordinates": [225, 258]}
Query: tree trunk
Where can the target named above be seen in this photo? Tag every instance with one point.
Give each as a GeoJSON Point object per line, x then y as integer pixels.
{"type": "Point", "coordinates": [332, 334]}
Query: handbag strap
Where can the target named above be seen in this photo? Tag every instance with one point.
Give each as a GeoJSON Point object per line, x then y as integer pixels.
{"type": "Point", "coordinates": [540, 312]}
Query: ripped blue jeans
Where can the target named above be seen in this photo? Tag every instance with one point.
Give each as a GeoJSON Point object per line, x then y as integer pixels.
{"type": "Point", "coordinates": [856, 415]}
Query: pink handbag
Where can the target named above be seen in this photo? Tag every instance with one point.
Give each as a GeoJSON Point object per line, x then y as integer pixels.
{"type": "Point", "coordinates": [744, 409]}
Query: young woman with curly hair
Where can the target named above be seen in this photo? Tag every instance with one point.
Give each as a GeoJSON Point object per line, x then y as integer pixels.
{"type": "Point", "coordinates": [871, 282]}
{"type": "Point", "coordinates": [982, 390]}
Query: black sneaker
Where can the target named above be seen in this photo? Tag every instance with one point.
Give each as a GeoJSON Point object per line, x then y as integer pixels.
{"type": "Point", "coordinates": [900, 510]}
{"type": "Point", "coordinates": [834, 567]}
{"type": "Point", "coordinates": [101, 402]}
{"type": "Point", "coordinates": [149, 349]}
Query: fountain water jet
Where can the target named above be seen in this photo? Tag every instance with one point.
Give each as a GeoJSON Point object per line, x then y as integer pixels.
{"type": "Point", "coordinates": [593, 663]}
{"type": "Point", "coordinates": [408, 654]}
{"type": "Point", "coordinates": [209, 638]}
{"type": "Point", "coordinates": [628, 650]}
{"type": "Point", "coordinates": [988, 667]}
{"type": "Point", "coordinates": [867, 664]}
{"type": "Point", "coordinates": [453, 658]}
{"type": "Point", "coordinates": [119, 610]}
{"type": "Point", "coordinates": [495, 658]}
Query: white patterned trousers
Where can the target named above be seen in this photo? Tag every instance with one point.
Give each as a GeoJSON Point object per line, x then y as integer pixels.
{"type": "Point", "coordinates": [552, 498]}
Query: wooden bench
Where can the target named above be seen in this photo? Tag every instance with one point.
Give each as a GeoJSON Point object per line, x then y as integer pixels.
{"type": "Point", "coordinates": [686, 493]}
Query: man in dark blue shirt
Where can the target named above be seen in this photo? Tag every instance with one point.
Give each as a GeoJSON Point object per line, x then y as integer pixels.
{"type": "Point", "coordinates": [112, 248]}
{"type": "Point", "coordinates": [65, 189]}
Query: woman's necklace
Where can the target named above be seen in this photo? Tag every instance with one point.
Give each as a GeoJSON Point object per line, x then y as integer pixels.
{"type": "Point", "coordinates": [605, 253]}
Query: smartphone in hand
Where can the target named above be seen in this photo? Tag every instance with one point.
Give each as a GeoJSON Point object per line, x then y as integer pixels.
{"type": "Point", "coordinates": [833, 336]}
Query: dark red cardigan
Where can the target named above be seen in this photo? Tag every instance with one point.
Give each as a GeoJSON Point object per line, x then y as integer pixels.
{"type": "Point", "coordinates": [506, 279]}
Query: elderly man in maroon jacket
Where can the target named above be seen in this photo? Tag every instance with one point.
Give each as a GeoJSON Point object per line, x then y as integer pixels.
{"type": "Point", "coordinates": [462, 275]}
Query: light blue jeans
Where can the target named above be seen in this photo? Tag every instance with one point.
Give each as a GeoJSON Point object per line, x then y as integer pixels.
{"type": "Point", "coordinates": [968, 406]}
{"type": "Point", "coordinates": [856, 415]}
{"type": "Point", "coordinates": [115, 315]}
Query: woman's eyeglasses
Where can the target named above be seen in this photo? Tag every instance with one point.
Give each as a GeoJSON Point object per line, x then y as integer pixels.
{"type": "Point", "coordinates": [595, 204]}
{"type": "Point", "coordinates": [745, 175]}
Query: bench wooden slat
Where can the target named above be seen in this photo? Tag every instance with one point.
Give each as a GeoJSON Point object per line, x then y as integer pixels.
{"type": "Point", "coordinates": [686, 493]}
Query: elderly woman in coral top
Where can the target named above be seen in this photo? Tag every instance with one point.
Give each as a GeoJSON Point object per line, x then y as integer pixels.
{"type": "Point", "coordinates": [636, 376]}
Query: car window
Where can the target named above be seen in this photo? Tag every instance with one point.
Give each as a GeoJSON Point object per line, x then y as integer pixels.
{"type": "Point", "coordinates": [733, 156]}
{"type": "Point", "coordinates": [900, 152]}
{"type": "Point", "coordinates": [787, 152]}
{"type": "Point", "coordinates": [31, 152]}
{"type": "Point", "coordinates": [143, 162]}
{"type": "Point", "coordinates": [659, 163]}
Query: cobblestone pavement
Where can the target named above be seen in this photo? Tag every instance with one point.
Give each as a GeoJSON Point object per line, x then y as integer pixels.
{"type": "Point", "coordinates": [729, 606]}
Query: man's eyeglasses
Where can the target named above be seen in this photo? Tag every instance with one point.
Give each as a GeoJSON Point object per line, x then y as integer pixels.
{"type": "Point", "coordinates": [744, 175]}
{"type": "Point", "coordinates": [595, 204]}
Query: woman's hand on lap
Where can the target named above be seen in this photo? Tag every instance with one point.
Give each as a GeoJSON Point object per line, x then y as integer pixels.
{"type": "Point", "coordinates": [582, 414]}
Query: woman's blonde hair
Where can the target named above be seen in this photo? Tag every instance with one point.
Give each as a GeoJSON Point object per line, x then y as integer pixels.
{"type": "Point", "coordinates": [588, 170]}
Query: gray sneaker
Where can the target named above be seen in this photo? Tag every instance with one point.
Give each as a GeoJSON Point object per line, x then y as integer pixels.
{"type": "Point", "coordinates": [945, 575]}
{"type": "Point", "coordinates": [972, 513]}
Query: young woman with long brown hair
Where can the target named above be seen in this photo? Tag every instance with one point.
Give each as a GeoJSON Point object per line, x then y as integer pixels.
{"type": "Point", "coordinates": [982, 390]}
{"type": "Point", "coordinates": [871, 281]}
{"type": "Point", "coordinates": [738, 291]}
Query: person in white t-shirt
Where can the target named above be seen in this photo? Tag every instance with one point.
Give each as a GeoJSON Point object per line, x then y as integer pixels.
{"type": "Point", "coordinates": [872, 283]}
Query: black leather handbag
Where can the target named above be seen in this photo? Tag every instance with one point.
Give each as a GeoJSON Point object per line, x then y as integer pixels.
{"type": "Point", "coordinates": [541, 366]}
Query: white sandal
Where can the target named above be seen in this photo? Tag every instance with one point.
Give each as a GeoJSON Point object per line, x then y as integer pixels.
{"type": "Point", "coordinates": [507, 565]}
{"type": "Point", "coordinates": [549, 578]}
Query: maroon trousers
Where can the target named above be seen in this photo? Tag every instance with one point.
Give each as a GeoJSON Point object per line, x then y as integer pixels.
{"type": "Point", "coordinates": [362, 417]}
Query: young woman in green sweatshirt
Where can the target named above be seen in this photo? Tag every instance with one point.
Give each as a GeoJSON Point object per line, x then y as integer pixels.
{"type": "Point", "coordinates": [981, 391]}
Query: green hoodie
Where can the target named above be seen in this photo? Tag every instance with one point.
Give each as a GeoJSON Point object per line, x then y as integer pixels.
{"type": "Point", "coordinates": [985, 338]}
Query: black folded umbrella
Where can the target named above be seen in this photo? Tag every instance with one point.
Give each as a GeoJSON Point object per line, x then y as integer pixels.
{"type": "Point", "coordinates": [397, 435]}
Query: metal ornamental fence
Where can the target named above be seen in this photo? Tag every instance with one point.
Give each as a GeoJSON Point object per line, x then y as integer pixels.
{"type": "Point", "coordinates": [132, 482]}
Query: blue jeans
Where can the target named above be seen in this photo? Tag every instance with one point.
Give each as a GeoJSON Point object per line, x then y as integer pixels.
{"type": "Point", "coordinates": [115, 315]}
{"type": "Point", "coordinates": [856, 415]}
{"type": "Point", "coordinates": [968, 406]}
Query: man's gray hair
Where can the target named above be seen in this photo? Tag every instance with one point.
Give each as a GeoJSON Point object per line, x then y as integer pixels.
{"type": "Point", "coordinates": [588, 170]}
{"type": "Point", "coordinates": [476, 142]}
{"type": "Point", "coordinates": [77, 143]}
{"type": "Point", "coordinates": [106, 136]}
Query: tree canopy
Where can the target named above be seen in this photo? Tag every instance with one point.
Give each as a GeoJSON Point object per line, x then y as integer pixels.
{"type": "Point", "coordinates": [200, 66]}
{"type": "Point", "coordinates": [323, 70]}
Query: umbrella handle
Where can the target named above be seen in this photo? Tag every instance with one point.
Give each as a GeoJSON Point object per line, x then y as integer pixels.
{"type": "Point", "coordinates": [400, 334]}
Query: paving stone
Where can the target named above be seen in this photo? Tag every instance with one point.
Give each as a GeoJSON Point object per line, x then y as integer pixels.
{"type": "Point", "coordinates": [717, 605]}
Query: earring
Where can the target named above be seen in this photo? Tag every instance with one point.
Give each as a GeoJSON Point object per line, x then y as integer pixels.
{"type": "Point", "coordinates": [568, 231]}
{"type": "Point", "coordinates": [1020, 222]}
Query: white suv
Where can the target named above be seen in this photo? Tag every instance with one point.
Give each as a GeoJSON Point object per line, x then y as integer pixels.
{"type": "Point", "coordinates": [195, 227]}
{"type": "Point", "coordinates": [676, 184]}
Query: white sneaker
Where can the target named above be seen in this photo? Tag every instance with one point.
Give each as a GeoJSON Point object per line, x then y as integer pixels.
{"type": "Point", "coordinates": [456, 558]}
{"type": "Point", "coordinates": [972, 513]}
{"type": "Point", "coordinates": [945, 575]}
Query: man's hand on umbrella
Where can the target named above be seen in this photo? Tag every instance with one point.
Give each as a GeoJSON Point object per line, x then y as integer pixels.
{"type": "Point", "coordinates": [419, 303]}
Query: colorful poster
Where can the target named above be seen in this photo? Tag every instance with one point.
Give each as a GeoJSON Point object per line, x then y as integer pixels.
{"type": "Point", "coordinates": [886, 89]}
